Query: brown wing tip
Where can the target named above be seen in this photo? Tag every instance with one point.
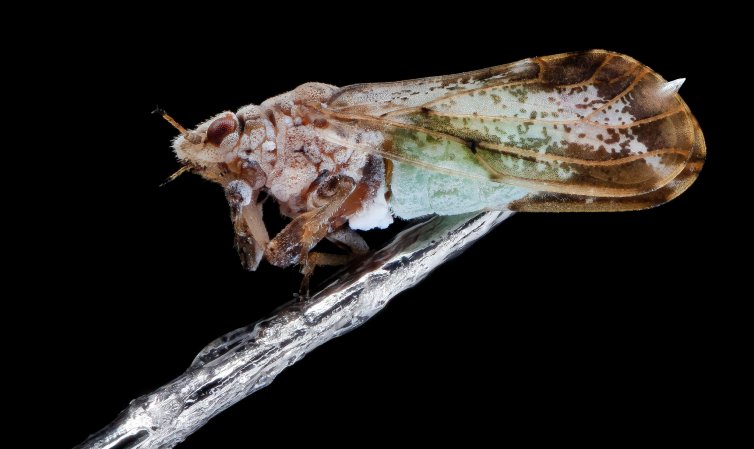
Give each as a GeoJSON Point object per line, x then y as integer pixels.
{"type": "Point", "coordinates": [559, 202]}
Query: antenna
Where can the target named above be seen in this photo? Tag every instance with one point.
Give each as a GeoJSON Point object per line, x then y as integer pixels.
{"type": "Point", "coordinates": [170, 120]}
{"type": "Point", "coordinates": [178, 173]}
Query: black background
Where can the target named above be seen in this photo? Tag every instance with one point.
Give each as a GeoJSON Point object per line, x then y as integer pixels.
{"type": "Point", "coordinates": [553, 326]}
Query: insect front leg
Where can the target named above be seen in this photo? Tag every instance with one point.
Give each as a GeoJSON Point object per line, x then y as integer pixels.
{"type": "Point", "coordinates": [251, 237]}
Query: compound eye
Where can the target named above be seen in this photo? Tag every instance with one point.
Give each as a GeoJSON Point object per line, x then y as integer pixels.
{"type": "Point", "coordinates": [219, 129]}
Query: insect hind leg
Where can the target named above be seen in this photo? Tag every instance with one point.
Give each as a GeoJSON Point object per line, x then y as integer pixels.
{"type": "Point", "coordinates": [349, 239]}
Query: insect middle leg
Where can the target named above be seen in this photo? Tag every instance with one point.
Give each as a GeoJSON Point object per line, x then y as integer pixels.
{"type": "Point", "coordinates": [342, 198]}
{"type": "Point", "coordinates": [345, 237]}
{"type": "Point", "coordinates": [317, 259]}
{"type": "Point", "coordinates": [294, 242]}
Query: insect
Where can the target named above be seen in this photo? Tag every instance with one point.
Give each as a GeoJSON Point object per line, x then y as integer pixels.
{"type": "Point", "coordinates": [588, 131]}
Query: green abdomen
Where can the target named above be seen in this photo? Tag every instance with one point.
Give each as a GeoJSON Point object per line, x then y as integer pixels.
{"type": "Point", "coordinates": [417, 191]}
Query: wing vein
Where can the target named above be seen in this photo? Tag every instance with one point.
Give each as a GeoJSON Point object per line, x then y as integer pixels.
{"type": "Point", "coordinates": [623, 93]}
{"type": "Point", "coordinates": [583, 121]}
{"type": "Point", "coordinates": [572, 160]}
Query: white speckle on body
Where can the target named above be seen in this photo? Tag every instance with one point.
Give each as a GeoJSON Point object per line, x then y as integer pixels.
{"type": "Point", "coordinates": [294, 178]}
{"type": "Point", "coordinates": [269, 146]}
{"type": "Point", "coordinates": [242, 189]}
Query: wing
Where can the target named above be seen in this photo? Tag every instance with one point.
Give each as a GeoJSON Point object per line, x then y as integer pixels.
{"type": "Point", "coordinates": [590, 131]}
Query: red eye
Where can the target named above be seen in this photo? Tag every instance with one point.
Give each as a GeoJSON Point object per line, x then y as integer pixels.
{"type": "Point", "coordinates": [219, 129]}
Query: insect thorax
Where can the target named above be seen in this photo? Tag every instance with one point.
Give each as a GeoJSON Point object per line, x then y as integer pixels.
{"type": "Point", "coordinates": [299, 166]}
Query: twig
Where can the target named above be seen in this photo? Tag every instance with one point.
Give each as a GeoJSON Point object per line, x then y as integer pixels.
{"type": "Point", "coordinates": [248, 359]}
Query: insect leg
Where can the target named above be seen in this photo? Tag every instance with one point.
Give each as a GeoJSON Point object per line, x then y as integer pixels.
{"type": "Point", "coordinates": [344, 237]}
{"type": "Point", "coordinates": [251, 237]}
{"type": "Point", "coordinates": [295, 241]}
{"type": "Point", "coordinates": [317, 259]}
{"type": "Point", "coordinates": [348, 238]}
{"type": "Point", "coordinates": [344, 198]}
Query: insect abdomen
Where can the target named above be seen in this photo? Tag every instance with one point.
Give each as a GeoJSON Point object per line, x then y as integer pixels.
{"type": "Point", "coordinates": [417, 192]}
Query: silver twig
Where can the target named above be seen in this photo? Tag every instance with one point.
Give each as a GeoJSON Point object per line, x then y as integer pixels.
{"type": "Point", "coordinates": [248, 359]}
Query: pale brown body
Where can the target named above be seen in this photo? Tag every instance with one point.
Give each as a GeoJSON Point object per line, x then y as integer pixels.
{"type": "Point", "coordinates": [588, 131]}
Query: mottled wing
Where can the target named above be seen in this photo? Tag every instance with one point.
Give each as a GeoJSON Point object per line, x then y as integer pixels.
{"type": "Point", "coordinates": [591, 131]}
{"type": "Point", "coordinates": [378, 99]}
